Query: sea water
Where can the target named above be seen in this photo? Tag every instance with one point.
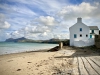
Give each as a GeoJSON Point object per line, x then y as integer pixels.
{"type": "Point", "coordinates": [11, 47]}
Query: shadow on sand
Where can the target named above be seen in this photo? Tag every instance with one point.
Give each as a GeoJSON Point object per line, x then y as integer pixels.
{"type": "Point", "coordinates": [81, 52]}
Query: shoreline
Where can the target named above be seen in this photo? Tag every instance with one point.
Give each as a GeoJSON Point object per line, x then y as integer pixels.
{"type": "Point", "coordinates": [56, 48]}
{"type": "Point", "coordinates": [9, 48]}
{"type": "Point", "coordinates": [39, 50]}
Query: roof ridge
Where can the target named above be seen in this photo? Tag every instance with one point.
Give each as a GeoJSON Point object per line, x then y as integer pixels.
{"type": "Point", "coordinates": [94, 27]}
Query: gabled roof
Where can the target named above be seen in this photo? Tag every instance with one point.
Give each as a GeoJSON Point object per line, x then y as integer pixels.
{"type": "Point", "coordinates": [93, 28]}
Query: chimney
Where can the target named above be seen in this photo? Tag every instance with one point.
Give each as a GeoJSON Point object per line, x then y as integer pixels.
{"type": "Point", "coordinates": [79, 20]}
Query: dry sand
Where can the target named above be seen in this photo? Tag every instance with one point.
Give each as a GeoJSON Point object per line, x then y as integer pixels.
{"type": "Point", "coordinates": [32, 63]}
{"type": "Point", "coordinates": [38, 63]}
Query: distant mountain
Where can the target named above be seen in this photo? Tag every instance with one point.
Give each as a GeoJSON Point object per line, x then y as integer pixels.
{"type": "Point", "coordinates": [9, 40]}
{"type": "Point", "coordinates": [23, 39]}
{"type": "Point", "coordinates": [15, 40]}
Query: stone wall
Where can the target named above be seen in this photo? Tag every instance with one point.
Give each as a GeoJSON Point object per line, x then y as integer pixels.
{"type": "Point", "coordinates": [97, 41]}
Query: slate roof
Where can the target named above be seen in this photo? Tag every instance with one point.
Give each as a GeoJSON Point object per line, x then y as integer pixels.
{"type": "Point", "coordinates": [93, 28]}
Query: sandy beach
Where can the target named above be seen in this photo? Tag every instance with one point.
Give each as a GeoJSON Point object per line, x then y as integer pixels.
{"type": "Point", "coordinates": [64, 62]}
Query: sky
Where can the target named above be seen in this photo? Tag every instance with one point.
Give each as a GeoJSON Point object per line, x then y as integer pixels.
{"type": "Point", "coordinates": [45, 19]}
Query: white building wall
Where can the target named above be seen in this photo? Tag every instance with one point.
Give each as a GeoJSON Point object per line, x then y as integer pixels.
{"type": "Point", "coordinates": [76, 30]}
{"type": "Point", "coordinates": [90, 31]}
{"type": "Point", "coordinates": [96, 32]}
{"type": "Point", "coordinates": [93, 36]}
{"type": "Point", "coordinates": [81, 43]}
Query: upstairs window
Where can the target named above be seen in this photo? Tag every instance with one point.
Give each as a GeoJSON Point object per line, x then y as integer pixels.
{"type": "Point", "coordinates": [80, 29]}
{"type": "Point", "coordinates": [75, 36]}
{"type": "Point", "coordinates": [80, 35]}
{"type": "Point", "coordinates": [92, 31]}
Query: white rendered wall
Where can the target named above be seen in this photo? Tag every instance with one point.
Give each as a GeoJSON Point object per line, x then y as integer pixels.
{"type": "Point", "coordinates": [81, 43]}
{"type": "Point", "coordinates": [96, 33]}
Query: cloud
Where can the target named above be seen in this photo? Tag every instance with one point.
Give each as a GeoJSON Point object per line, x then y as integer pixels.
{"type": "Point", "coordinates": [4, 35]}
{"type": "Point", "coordinates": [21, 9]}
{"type": "Point", "coordinates": [32, 32]}
{"type": "Point", "coordinates": [46, 36]}
{"type": "Point", "coordinates": [85, 10]}
{"type": "Point", "coordinates": [42, 5]}
{"type": "Point", "coordinates": [37, 29]}
{"type": "Point", "coordinates": [17, 34]}
{"type": "Point", "coordinates": [3, 23]}
{"type": "Point", "coordinates": [46, 20]}
{"type": "Point", "coordinates": [17, 10]}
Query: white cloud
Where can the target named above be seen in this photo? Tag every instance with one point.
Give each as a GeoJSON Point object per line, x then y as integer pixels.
{"type": "Point", "coordinates": [16, 34]}
{"type": "Point", "coordinates": [23, 10]}
{"type": "Point", "coordinates": [3, 23]}
{"type": "Point", "coordinates": [85, 10]}
{"type": "Point", "coordinates": [17, 10]}
{"type": "Point", "coordinates": [46, 20]}
{"type": "Point", "coordinates": [37, 29]}
{"type": "Point", "coordinates": [3, 26]}
{"type": "Point", "coordinates": [4, 35]}
{"type": "Point", "coordinates": [48, 6]}
{"type": "Point", "coordinates": [46, 36]}
{"type": "Point", "coordinates": [31, 32]}
{"type": "Point", "coordinates": [6, 25]}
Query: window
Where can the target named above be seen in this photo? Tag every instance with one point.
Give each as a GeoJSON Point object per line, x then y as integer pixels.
{"type": "Point", "coordinates": [90, 36]}
{"type": "Point", "coordinates": [75, 36]}
{"type": "Point", "coordinates": [80, 29]}
{"type": "Point", "coordinates": [92, 31]}
{"type": "Point", "coordinates": [80, 35]}
{"type": "Point", "coordinates": [86, 35]}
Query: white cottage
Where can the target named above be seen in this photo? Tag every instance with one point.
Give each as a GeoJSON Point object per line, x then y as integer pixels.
{"type": "Point", "coordinates": [82, 35]}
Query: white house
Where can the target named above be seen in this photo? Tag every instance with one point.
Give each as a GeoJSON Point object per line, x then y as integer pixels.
{"type": "Point", "coordinates": [82, 35]}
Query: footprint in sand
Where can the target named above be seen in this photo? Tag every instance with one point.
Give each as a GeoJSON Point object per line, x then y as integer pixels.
{"type": "Point", "coordinates": [36, 69]}
{"type": "Point", "coordinates": [40, 73]}
{"type": "Point", "coordinates": [37, 65]}
{"type": "Point", "coordinates": [18, 69]}
{"type": "Point", "coordinates": [29, 62]}
{"type": "Point", "coordinates": [9, 60]}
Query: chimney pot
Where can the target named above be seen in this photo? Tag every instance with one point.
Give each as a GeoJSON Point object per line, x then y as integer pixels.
{"type": "Point", "coordinates": [79, 19]}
